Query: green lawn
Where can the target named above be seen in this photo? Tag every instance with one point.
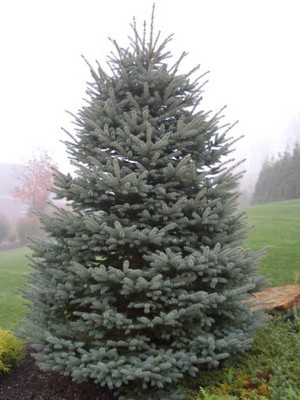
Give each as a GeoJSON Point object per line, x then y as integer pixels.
{"type": "Point", "coordinates": [277, 225]}
{"type": "Point", "coordinates": [13, 269]}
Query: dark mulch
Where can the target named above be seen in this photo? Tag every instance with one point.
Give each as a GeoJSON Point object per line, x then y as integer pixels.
{"type": "Point", "coordinates": [27, 382]}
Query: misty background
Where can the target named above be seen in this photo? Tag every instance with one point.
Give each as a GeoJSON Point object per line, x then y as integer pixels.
{"type": "Point", "coordinates": [249, 47]}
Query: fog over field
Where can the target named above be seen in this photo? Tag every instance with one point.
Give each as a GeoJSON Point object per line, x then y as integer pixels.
{"type": "Point", "coordinates": [249, 47]}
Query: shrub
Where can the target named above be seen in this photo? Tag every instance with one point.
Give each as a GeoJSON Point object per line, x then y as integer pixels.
{"type": "Point", "coordinates": [27, 226]}
{"type": "Point", "coordinates": [12, 237]}
{"type": "Point", "coordinates": [4, 227]}
{"type": "Point", "coordinates": [271, 369]}
{"type": "Point", "coordinates": [274, 350]}
{"type": "Point", "coordinates": [12, 350]}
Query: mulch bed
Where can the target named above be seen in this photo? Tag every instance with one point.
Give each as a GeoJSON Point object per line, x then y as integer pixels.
{"type": "Point", "coordinates": [27, 382]}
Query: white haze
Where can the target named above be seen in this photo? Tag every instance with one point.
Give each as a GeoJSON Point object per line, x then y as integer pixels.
{"type": "Point", "coordinates": [250, 48]}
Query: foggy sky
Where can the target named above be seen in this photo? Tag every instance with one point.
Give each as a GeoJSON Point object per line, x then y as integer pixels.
{"type": "Point", "coordinates": [250, 47]}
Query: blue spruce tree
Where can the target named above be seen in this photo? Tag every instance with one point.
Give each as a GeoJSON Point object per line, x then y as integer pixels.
{"type": "Point", "coordinates": [143, 279]}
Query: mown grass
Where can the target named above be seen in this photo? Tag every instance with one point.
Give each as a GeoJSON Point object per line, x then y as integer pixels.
{"type": "Point", "coordinates": [277, 225]}
{"type": "Point", "coordinates": [13, 270]}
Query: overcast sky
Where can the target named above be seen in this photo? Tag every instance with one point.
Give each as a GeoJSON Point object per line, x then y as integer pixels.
{"type": "Point", "coordinates": [250, 47]}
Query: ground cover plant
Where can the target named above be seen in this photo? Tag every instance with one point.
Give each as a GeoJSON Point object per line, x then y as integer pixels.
{"type": "Point", "coordinates": [277, 225]}
{"type": "Point", "coordinates": [270, 370]}
{"type": "Point", "coordinates": [143, 279]}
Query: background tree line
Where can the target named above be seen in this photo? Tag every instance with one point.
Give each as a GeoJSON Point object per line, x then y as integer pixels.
{"type": "Point", "coordinates": [279, 179]}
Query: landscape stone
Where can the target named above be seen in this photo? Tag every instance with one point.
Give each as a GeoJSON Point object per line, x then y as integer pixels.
{"type": "Point", "coordinates": [278, 299]}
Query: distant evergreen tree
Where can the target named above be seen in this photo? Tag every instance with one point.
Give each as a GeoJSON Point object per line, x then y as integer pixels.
{"type": "Point", "coordinates": [279, 179]}
{"type": "Point", "coordinates": [143, 280]}
{"type": "Point", "coordinates": [292, 190]}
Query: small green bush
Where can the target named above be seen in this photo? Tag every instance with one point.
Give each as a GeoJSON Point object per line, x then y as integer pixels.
{"type": "Point", "coordinates": [12, 350]}
{"type": "Point", "coordinates": [275, 349]}
{"type": "Point", "coordinates": [4, 227]}
{"type": "Point", "coordinates": [27, 227]}
{"type": "Point", "coordinates": [12, 236]}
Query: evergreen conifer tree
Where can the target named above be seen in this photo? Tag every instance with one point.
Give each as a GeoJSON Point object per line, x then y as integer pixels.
{"type": "Point", "coordinates": [142, 280]}
{"type": "Point", "coordinates": [279, 179]}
